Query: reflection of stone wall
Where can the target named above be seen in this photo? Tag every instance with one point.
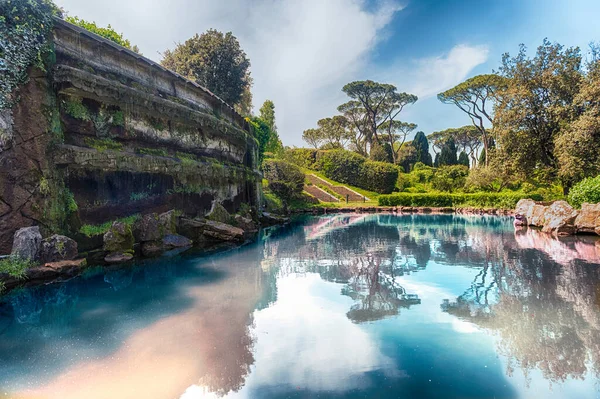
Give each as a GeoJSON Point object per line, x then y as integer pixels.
{"type": "Point", "coordinates": [107, 133]}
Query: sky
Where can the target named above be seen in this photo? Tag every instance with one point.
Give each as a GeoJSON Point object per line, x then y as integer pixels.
{"type": "Point", "coordinates": [304, 51]}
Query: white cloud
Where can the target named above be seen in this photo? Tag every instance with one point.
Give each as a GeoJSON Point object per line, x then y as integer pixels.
{"type": "Point", "coordinates": [434, 75]}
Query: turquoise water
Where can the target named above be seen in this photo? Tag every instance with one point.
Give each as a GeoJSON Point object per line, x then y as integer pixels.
{"type": "Point", "coordinates": [345, 306]}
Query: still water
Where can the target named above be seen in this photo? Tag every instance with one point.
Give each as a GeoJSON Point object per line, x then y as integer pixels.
{"type": "Point", "coordinates": [345, 306]}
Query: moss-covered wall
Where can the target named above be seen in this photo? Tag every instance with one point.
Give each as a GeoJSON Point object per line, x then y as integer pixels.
{"type": "Point", "coordinates": [105, 133]}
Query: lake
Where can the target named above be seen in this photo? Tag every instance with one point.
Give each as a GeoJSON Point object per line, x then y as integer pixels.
{"type": "Point", "coordinates": [343, 306]}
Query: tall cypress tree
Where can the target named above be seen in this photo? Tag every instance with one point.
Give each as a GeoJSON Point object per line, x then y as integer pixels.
{"type": "Point", "coordinates": [448, 153]}
{"type": "Point", "coordinates": [422, 147]}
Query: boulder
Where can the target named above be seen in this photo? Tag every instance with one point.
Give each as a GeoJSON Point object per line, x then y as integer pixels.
{"type": "Point", "coordinates": [520, 220]}
{"type": "Point", "coordinates": [538, 215]}
{"type": "Point", "coordinates": [171, 241]}
{"type": "Point", "coordinates": [219, 214]}
{"type": "Point", "coordinates": [58, 248]}
{"type": "Point", "coordinates": [588, 220]}
{"type": "Point", "coordinates": [27, 243]}
{"type": "Point", "coordinates": [118, 257]}
{"type": "Point", "coordinates": [531, 211]}
{"type": "Point", "coordinates": [269, 219]}
{"type": "Point", "coordinates": [192, 228]}
{"type": "Point", "coordinates": [151, 249]}
{"type": "Point", "coordinates": [559, 219]}
{"type": "Point", "coordinates": [118, 238]}
{"type": "Point", "coordinates": [222, 231]}
{"type": "Point", "coordinates": [168, 223]}
{"type": "Point", "coordinates": [246, 224]}
{"type": "Point", "coordinates": [147, 228]}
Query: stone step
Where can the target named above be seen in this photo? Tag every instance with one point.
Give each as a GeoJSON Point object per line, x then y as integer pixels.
{"type": "Point", "coordinates": [343, 191]}
{"type": "Point", "coordinates": [320, 194]}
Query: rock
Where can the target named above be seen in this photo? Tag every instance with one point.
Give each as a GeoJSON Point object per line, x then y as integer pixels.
{"type": "Point", "coordinates": [118, 257]}
{"type": "Point", "coordinates": [532, 211]}
{"type": "Point", "coordinates": [58, 248]}
{"type": "Point", "coordinates": [151, 249]}
{"type": "Point", "coordinates": [147, 228]}
{"type": "Point", "coordinates": [560, 218]}
{"type": "Point", "coordinates": [27, 243]}
{"type": "Point", "coordinates": [219, 214]}
{"type": "Point", "coordinates": [588, 220]}
{"type": "Point", "coordinates": [168, 223]}
{"type": "Point", "coordinates": [269, 219]}
{"type": "Point", "coordinates": [246, 224]}
{"type": "Point", "coordinates": [172, 241]}
{"type": "Point", "coordinates": [520, 220]}
{"type": "Point", "coordinates": [192, 228]}
{"type": "Point", "coordinates": [118, 238]}
{"type": "Point", "coordinates": [223, 231]}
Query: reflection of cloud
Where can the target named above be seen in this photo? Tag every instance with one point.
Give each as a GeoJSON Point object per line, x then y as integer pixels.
{"type": "Point", "coordinates": [307, 328]}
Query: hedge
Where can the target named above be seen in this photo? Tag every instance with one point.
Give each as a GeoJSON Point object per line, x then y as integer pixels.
{"type": "Point", "coordinates": [587, 190]}
{"type": "Point", "coordinates": [482, 200]}
{"type": "Point", "coordinates": [350, 168]}
{"type": "Point", "coordinates": [286, 180]}
{"type": "Point", "coordinates": [303, 157]}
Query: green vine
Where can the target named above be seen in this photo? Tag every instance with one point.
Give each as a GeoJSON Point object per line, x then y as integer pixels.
{"type": "Point", "coordinates": [25, 29]}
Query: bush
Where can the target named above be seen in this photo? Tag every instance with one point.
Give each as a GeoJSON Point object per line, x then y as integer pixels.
{"type": "Point", "coordinates": [303, 157]}
{"type": "Point", "coordinates": [15, 266]}
{"type": "Point", "coordinates": [480, 200]}
{"type": "Point", "coordinates": [587, 190]}
{"type": "Point", "coordinates": [350, 168]}
{"type": "Point", "coordinates": [286, 180]}
{"type": "Point", "coordinates": [449, 178]}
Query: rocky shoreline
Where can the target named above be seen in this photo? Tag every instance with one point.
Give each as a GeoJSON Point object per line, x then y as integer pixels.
{"type": "Point", "coordinates": [57, 258]}
{"type": "Point", "coordinates": [558, 218]}
{"type": "Point", "coordinates": [408, 210]}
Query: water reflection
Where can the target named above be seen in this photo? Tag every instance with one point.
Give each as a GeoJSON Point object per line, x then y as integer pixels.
{"type": "Point", "coordinates": [338, 306]}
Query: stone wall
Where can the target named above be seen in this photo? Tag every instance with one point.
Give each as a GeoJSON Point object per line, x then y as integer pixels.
{"type": "Point", "coordinates": [105, 133]}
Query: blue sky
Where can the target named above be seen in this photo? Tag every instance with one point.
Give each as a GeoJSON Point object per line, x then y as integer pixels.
{"type": "Point", "coordinates": [303, 52]}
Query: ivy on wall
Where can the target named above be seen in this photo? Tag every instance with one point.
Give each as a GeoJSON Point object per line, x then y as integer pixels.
{"type": "Point", "coordinates": [25, 26]}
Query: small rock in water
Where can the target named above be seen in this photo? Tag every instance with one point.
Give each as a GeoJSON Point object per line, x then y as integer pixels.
{"type": "Point", "coordinates": [118, 257]}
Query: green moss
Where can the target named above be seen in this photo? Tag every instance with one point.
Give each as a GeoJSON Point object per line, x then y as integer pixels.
{"type": "Point", "coordinates": [138, 196]}
{"type": "Point", "coordinates": [186, 159]}
{"type": "Point", "coordinates": [103, 144]}
{"type": "Point", "coordinates": [157, 123]}
{"type": "Point", "coordinates": [44, 186]}
{"type": "Point", "coordinates": [118, 118]}
{"type": "Point", "coordinates": [75, 108]}
{"type": "Point", "coordinates": [153, 151]}
{"type": "Point", "coordinates": [15, 266]}
{"type": "Point", "coordinates": [94, 230]}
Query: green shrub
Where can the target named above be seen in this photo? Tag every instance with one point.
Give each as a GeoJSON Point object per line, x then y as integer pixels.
{"type": "Point", "coordinates": [303, 157]}
{"type": "Point", "coordinates": [103, 144]}
{"type": "Point", "coordinates": [93, 230]}
{"type": "Point", "coordinates": [350, 168]}
{"type": "Point", "coordinates": [449, 178]}
{"type": "Point", "coordinates": [153, 151]}
{"type": "Point", "coordinates": [587, 190]}
{"type": "Point", "coordinates": [478, 200]}
{"type": "Point", "coordinates": [286, 180]}
{"type": "Point", "coordinates": [15, 266]}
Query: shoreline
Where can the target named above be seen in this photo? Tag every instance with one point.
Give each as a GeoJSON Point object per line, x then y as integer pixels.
{"type": "Point", "coordinates": [407, 210]}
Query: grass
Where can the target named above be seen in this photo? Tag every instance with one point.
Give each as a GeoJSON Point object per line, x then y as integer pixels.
{"type": "Point", "coordinates": [15, 266]}
{"type": "Point", "coordinates": [94, 230]}
{"type": "Point", "coordinates": [103, 144]}
{"type": "Point", "coordinates": [153, 151]}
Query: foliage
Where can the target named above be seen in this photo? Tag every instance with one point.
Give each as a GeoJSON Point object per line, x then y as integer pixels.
{"type": "Point", "coordinates": [25, 27]}
{"type": "Point", "coordinates": [448, 153]}
{"type": "Point", "coordinates": [103, 144]}
{"type": "Point", "coordinates": [332, 133]}
{"type": "Point", "coordinates": [537, 105]}
{"type": "Point", "coordinates": [268, 141]}
{"type": "Point", "coordinates": [138, 196]}
{"type": "Point", "coordinates": [93, 230]}
{"type": "Point", "coordinates": [407, 156]}
{"type": "Point", "coordinates": [350, 168]}
{"type": "Point", "coordinates": [474, 96]}
{"type": "Point", "coordinates": [587, 190]}
{"type": "Point", "coordinates": [75, 108]}
{"type": "Point", "coordinates": [215, 61]}
{"type": "Point", "coordinates": [107, 33]}
{"type": "Point", "coordinates": [15, 266]}
{"type": "Point", "coordinates": [480, 200]}
{"type": "Point", "coordinates": [421, 146]}
{"type": "Point", "coordinates": [267, 114]}
{"type": "Point", "coordinates": [372, 113]}
{"type": "Point", "coordinates": [158, 152]}
{"type": "Point", "coordinates": [450, 178]}
{"type": "Point", "coordinates": [286, 180]}
{"type": "Point", "coordinates": [463, 159]}
{"type": "Point", "coordinates": [381, 152]}
{"type": "Point", "coordinates": [303, 157]}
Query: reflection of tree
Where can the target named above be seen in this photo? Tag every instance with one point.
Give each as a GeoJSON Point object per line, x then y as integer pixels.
{"type": "Point", "coordinates": [546, 315]}
{"type": "Point", "coordinates": [375, 290]}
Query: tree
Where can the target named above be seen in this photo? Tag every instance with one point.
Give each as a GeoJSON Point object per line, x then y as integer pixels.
{"type": "Point", "coordinates": [537, 105]}
{"type": "Point", "coordinates": [107, 33]}
{"type": "Point", "coordinates": [475, 96]}
{"type": "Point", "coordinates": [407, 156]}
{"type": "Point", "coordinates": [578, 145]}
{"type": "Point", "coordinates": [468, 140]}
{"type": "Point", "coordinates": [463, 159]}
{"type": "Point", "coordinates": [244, 106]}
{"type": "Point", "coordinates": [314, 137]}
{"type": "Point", "coordinates": [373, 111]}
{"type": "Point", "coordinates": [421, 146]}
{"type": "Point", "coordinates": [395, 137]}
{"type": "Point", "coordinates": [267, 114]}
{"type": "Point", "coordinates": [215, 61]}
{"type": "Point", "coordinates": [268, 141]}
{"type": "Point", "coordinates": [448, 153]}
